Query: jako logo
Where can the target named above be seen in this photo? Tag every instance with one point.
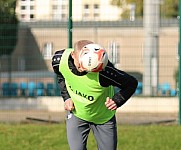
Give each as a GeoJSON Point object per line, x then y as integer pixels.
{"type": "Point", "coordinates": [90, 98]}
{"type": "Point", "coordinates": [89, 63]}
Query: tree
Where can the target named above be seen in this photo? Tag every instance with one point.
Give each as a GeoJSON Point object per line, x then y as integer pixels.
{"type": "Point", "coordinates": [8, 26]}
{"type": "Point", "coordinates": [169, 8]}
{"type": "Point", "coordinates": [8, 33]}
{"type": "Point", "coordinates": [124, 4]}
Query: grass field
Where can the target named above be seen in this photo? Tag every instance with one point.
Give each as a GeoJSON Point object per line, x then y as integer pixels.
{"type": "Point", "coordinates": [53, 137]}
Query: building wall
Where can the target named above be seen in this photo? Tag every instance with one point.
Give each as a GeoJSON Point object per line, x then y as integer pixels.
{"type": "Point", "coordinates": [130, 43]}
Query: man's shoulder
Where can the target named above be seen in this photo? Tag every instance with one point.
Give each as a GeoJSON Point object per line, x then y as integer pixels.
{"type": "Point", "coordinates": [109, 67]}
{"type": "Point", "coordinates": [57, 55]}
{"type": "Point", "coordinates": [56, 60]}
{"type": "Point", "coordinates": [59, 52]}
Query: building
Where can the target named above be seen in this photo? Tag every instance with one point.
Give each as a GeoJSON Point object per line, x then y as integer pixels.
{"type": "Point", "coordinates": [57, 10]}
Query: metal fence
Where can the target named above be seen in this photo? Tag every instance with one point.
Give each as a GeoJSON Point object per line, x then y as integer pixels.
{"type": "Point", "coordinates": [26, 75]}
{"type": "Point", "coordinates": [37, 41]}
{"type": "Point", "coordinates": [141, 40]}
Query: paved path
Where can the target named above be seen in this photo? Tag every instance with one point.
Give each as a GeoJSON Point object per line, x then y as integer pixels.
{"type": "Point", "coordinates": [19, 116]}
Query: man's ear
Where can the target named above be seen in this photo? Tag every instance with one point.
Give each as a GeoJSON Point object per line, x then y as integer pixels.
{"type": "Point", "coordinates": [73, 55]}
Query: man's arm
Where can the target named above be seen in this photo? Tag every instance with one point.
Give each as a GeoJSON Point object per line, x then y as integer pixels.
{"type": "Point", "coordinates": [55, 64]}
{"type": "Point", "coordinates": [125, 82]}
{"type": "Point", "coordinates": [64, 93]}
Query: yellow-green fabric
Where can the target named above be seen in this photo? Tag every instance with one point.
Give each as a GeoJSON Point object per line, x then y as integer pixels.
{"type": "Point", "coordinates": [87, 94]}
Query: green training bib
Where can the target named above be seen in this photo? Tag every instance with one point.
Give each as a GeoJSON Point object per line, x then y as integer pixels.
{"type": "Point", "coordinates": [87, 94]}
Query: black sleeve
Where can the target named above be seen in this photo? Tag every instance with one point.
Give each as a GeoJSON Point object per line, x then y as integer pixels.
{"type": "Point", "coordinates": [64, 93]}
{"type": "Point", "coordinates": [55, 64]}
{"type": "Point", "coordinates": [118, 78]}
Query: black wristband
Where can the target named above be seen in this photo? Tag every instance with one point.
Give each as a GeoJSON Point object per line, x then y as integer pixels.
{"type": "Point", "coordinates": [118, 99]}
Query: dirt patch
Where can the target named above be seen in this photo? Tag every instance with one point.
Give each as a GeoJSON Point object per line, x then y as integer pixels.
{"type": "Point", "coordinates": [20, 116]}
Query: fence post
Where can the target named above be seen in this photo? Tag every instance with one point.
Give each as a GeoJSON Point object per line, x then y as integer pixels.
{"type": "Point", "coordinates": [70, 25]}
{"type": "Point", "coordinates": [179, 85]}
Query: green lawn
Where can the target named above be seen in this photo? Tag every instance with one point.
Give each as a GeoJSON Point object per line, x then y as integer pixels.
{"type": "Point", "coordinates": [53, 137]}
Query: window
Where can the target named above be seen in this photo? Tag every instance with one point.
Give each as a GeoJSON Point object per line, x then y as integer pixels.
{"type": "Point", "coordinates": [96, 15]}
{"type": "Point", "coordinates": [64, 16]}
{"type": "Point", "coordinates": [31, 7]}
{"type": "Point", "coordinates": [64, 7]}
{"type": "Point", "coordinates": [55, 7]}
{"type": "Point", "coordinates": [96, 6]}
{"type": "Point", "coordinates": [86, 6]}
{"type": "Point", "coordinates": [23, 7]}
{"type": "Point", "coordinates": [47, 50]}
{"type": "Point", "coordinates": [56, 17]}
{"type": "Point", "coordinates": [32, 16]}
{"type": "Point", "coordinates": [114, 52]}
{"type": "Point", "coordinates": [86, 16]}
{"type": "Point", "coordinates": [21, 63]}
{"type": "Point", "coordinates": [96, 11]}
{"type": "Point", "coordinates": [23, 16]}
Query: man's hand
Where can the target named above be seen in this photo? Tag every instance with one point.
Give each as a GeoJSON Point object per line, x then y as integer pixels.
{"type": "Point", "coordinates": [110, 104]}
{"type": "Point", "coordinates": [69, 105]}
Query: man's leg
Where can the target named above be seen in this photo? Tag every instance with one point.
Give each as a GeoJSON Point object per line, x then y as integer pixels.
{"type": "Point", "coordinates": [106, 135]}
{"type": "Point", "coordinates": [77, 132]}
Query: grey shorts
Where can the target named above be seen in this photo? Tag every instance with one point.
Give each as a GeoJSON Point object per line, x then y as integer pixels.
{"type": "Point", "coordinates": [78, 131]}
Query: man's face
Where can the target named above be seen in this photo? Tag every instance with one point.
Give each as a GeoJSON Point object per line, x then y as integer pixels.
{"type": "Point", "coordinates": [75, 56]}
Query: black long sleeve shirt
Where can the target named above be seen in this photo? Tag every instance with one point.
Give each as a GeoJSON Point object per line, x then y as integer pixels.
{"type": "Point", "coordinates": [126, 83]}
